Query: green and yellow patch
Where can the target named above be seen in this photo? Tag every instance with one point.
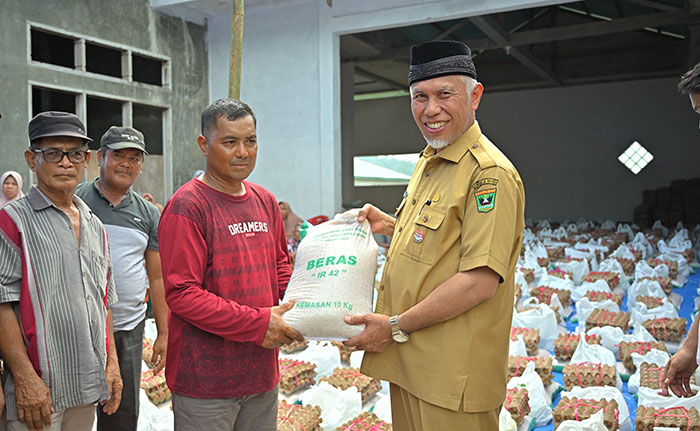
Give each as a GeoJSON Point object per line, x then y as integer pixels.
{"type": "Point", "coordinates": [485, 200]}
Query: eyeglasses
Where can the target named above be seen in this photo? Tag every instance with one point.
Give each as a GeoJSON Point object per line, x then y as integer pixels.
{"type": "Point", "coordinates": [55, 156]}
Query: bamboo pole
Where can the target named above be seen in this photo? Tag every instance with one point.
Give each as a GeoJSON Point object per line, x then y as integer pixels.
{"type": "Point", "coordinates": [234, 91]}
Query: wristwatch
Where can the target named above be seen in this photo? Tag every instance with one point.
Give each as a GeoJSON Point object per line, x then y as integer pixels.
{"type": "Point", "coordinates": [396, 333]}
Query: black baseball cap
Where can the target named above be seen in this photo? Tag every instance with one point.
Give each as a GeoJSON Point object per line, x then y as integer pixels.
{"type": "Point", "coordinates": [56, 123]}
{"type": "Point", "coordinates": [119, 138]}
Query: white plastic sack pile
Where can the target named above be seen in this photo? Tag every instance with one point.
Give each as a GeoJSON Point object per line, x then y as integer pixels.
{"type": "Point", "coordinates": [640, 242]}
{"type": "Point", "coordinates": [683, 267]}
{"type": "Point", "coordinates": [594, 423]}
{"type": "Point", "coordinates": [597, 286]}
{"type": "Point", "coordinates": [572, 252]}
{"type": "Point", "coordinates": [653, 356]}
{"type": "Point", "coordinates": [650, 398]}
{"type": "Point", "coordinates": [530, 259]}
{"type": "Point", "coordinates": [333, 277]}
{"type": "Point", "coordinates": [643, 269]}
{"type": "Point", "coordinates": [556, 283]}
{"type": "Point", "coordinates": [613, 265]}
{"type": "Point", "coordinates": [608, 225]}
{"type": "Point", "coordinates": [505, 421]}
{"type": "Point", "coordinates": [559, 233]}
{"type": "Point", "coordinates": [578, 269]}
{"type": "Point", "coordinates": [658, 225]}
{"type": "Point", "coordinates": [585, 307]}
{"type": "Point", "coordinates": [608, 393]}
{"type": "Point", "coordinates": [678, 244]}
{"type": "Point", "coordinates": [644, 288]}
{"type": "Point", "coordinates": [517, 347]}
{"type": "Point", "coordinates": [337, 406]}
{"type": "Point", "coordinates": [640, 313]}
{"type": "Point", "coordinates": [623, 252]}
{"type": "Point", "coordinates": [625, 228]}
{"type": "Point", "coordinates": [542, 318]}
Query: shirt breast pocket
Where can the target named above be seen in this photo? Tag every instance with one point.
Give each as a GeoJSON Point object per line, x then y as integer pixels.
{"type": "Point", "coordinates": [98, 273]}
{"type": "Point", "coordinates": [424, 242]}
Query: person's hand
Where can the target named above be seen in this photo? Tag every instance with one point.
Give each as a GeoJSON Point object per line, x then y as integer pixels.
{"type": "Point", "coordinates": [376, 336]}
{"type": "Point", "coordinates": [33, 397]}
{"type": "Point", "coordinates": [278, 332]}
{"type": "Point", "coordinates": [160, 346]}
{"type": "Point", "coordinates": [2, 400]}
{"type": "Point", "coordinates": [114, 384]}
{"type": "Point", "coordinates": [379, 221]}
{"type": "Point", "coordinates": [679, 369]}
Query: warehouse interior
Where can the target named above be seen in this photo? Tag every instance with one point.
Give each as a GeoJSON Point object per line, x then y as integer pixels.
{"type": "Point", "coordinates": [568, 88]}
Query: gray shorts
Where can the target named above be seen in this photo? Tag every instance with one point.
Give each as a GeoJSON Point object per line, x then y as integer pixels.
{"type": "Point", "coordinates": [257, 412]}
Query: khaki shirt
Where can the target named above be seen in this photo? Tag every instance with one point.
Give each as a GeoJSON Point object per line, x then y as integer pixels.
{"type": "Point", "coordinates": [474, 219]}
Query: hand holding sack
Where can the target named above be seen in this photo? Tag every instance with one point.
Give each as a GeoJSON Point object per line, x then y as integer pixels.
{"type": "Point", "coordinates": [333, 277]}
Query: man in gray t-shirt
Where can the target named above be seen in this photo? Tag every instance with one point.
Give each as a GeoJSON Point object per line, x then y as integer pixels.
{"type": "Point", "coordinates": [132, 228]}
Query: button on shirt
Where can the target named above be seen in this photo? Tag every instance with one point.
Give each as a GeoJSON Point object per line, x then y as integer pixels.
{"type": "Point", "coordinates": [61, 293]}
{"type": "Point", "coordinates": [468, 213]}
{"type": "Point", "coordinates": [132, 228]}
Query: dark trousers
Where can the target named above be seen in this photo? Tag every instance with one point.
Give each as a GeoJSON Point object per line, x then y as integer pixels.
{"type": "Point", "coordinates": [129, 350]}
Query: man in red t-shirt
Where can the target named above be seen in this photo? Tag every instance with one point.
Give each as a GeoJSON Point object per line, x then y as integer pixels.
{"type": "Point", "coordinates": [225, 268]}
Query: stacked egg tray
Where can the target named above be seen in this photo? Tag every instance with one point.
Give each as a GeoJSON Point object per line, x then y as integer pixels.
{"type": "Point", "coordinates": [666, 328]}
{"type": "Point", "coordinates": [565, 345]}
{"type": "Point", "coordinates": [650, 418]}
{"type": "Point", "coordinates": [531, 337]}
{"type": "Point", "coordinates": [600, 318]}
{"type": "Point", "coordinates": [294, 417]}
{"type": "Point", "coordinates": [641, 347]}
{"type": "Point", "coordinates": [586, 374]}
{"type": "Point", "coordinates": [650, 301]}
{"type": "Point", "coordinates": [365, 421]}
{"type": "Point", "coordinates": [612, 278]}
{"type": "Point", "coordinates": [517, 403]}
{"type": "Point", "coordinates": [295, 375]}
{"type": "Point", "coordinates": [543, 367]}
{"type": "Point", "coordinates": [598, 296]}
{"type": "Point", "coordinates": [344, 378]}
{"type": "Point", "coordinates": [577, 409]}
{"type": "Point", "coordinates": [155, 387]}
{"type": "Point", "coordinates": [544, 294]}
{"type": "Point", "coordinates": [294, 346]}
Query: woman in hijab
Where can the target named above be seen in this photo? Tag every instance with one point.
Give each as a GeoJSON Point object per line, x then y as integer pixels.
{"type": "Point", "coordinates": [11, 187]}
{"type": "Point", "coordinates": [289, 219]}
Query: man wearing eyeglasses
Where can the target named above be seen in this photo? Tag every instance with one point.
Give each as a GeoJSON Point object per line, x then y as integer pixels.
{"type": "Point", "coordinates": [56, 290]}
{"type": "Point", "coordinates": [132, 226]}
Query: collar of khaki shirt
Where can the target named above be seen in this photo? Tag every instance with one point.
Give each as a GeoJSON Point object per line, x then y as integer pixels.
{"type": "Point", "coordinates": [39, 201]}
{"type": "Point", "coordinates": [455, 151]}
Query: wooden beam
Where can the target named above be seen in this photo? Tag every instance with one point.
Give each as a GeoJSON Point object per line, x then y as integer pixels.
{"type": "Point", "coordinates": [567, 32]}
{"type": "Point", "coordinates": [599, 28]}
{"type": "Point", "coordinates": [380, 79]}
{"type": "Point", "coordinates": [654, 5]}
{"type": "Point", "coordinates": [452, 28]}
{"type": "Point", "coordinates": [498, 34]}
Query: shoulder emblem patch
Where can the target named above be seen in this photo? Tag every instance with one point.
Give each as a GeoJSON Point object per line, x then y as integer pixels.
{"type": "Point", "coordinates": [485, 181]}
{"type": "Point", "coordinates": [485, 200]}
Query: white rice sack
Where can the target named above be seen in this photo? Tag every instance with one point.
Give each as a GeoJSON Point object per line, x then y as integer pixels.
{"type": "Point", "coordinates": [333, 277]}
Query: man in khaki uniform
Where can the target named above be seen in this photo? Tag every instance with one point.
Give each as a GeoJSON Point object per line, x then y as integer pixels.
{"type": "Point", "coordinates": [449, 276]}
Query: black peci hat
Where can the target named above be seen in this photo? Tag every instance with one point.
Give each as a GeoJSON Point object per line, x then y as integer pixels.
{"type": "Point", "coordinates": [56, 123]}
{"type": "Point", "coordinates": [440, 58]}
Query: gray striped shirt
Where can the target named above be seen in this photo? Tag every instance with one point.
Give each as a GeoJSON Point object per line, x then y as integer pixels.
{"type": "Point", "coordinates": [60, 293]}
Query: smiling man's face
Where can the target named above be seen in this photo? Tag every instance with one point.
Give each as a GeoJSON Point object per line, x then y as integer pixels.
{"type": "Point", "coordinates": [443, 108]}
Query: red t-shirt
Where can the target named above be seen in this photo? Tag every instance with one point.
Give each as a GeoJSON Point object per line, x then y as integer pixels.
{"type": "Point", "coordinates": [225, 263]}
